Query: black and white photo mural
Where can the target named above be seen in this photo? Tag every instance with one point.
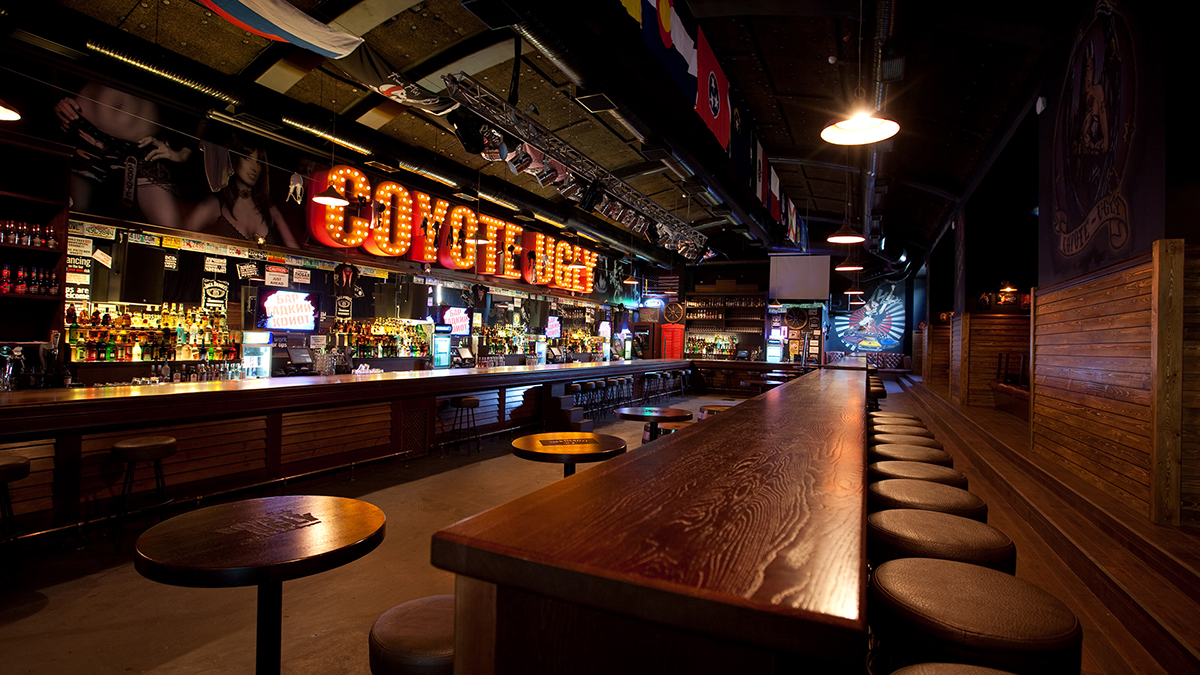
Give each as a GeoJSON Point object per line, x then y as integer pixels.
{"type": "Point", "coordinates": [877, 326]}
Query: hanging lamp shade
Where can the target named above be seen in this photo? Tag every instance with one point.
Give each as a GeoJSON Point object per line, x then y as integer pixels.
{"type": "Point", "coordinates": [862, 126]}
{"type": "Point", "coordinates": [576, 263]}
{"type": "Point", "coordinates": [848, 265]}
{"type": "Point", "coordinates": [775, 305]}
{"type": "Point", "coordinates": [330, 197]}
{"type": "Point", "coordinates": [854, 290]}
{"type": "Point", "coordinates": [8, 113]}
{"type": "Point", "coordinates": [845, 235]}
{"type": "Point", "coordinates": [1007, 287]}
{"type": "Point", "coordinates": [857, 300]}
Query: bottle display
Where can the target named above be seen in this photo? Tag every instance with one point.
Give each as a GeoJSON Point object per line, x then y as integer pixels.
{"type": "Point", "coordinates": [125, 334]}
{"type": "Point", "coordinates": [382, 337]}
{"type": "Point", "coordinates": [715, 346]}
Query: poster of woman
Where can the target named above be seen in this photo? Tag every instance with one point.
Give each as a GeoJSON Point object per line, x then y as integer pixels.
{"type": "Point", "coordinates": [241, 207]}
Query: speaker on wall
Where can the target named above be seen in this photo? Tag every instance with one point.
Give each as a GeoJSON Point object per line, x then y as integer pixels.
{"type": "Point", "coordinates": [142, 274]}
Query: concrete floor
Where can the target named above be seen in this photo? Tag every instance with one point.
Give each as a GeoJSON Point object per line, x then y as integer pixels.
{"type": "Point", "coordinates": [88, 611]}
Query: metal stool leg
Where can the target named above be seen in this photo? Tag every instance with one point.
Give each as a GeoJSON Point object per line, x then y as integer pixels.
{"type": "Point", "coordinates": [123, 512]}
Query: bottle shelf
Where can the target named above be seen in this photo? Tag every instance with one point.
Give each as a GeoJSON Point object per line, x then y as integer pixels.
{"type": "Point", "coordinates": [30, 296]}
{"type": "Point", "coordinates": [22, 247]}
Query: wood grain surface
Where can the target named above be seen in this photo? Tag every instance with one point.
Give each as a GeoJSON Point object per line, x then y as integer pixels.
{"type": "Point", "coordinates": [748, 527]}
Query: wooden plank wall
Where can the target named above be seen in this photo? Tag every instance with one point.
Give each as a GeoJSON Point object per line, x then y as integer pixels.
{"type": "Point", "coordinates": [937, 362]}
{"type": "Point", "coordinates": [1092, 385]}
{"type": "Point", "coordinates": [957, 347]}
{"type": "Point", "coordinates": [34, 492]}
{"type": "Point", "coordinates": [331, 431]}
{"type": "Point", "coordinates": [206, 451]}
{"type": "Point", "coordinates": [990, 335]}
{"type": "Point", "coordinates": [522, 404]}
{"type": "Point", "coordinates": [1190, 488]}
{"type": "Point", "coordinates": [918, 356]}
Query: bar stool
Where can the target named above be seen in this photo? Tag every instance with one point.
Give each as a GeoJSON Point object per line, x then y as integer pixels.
{"type": "Point", "coordinates": [707, 411]}
{"type": "Point", "coordinates": [901, 429]}
{"type": "Point", "coordinates": [912, 533]}
{"type": "Point", "coordinates": [649, 387]}
{"type": "Point", "coordinates": [908, 453]}
{"type": "Point", "coordinates": [949, 669]}
{"type": "Point", "coordinates": [895, 422]}
{"type": "Point", "coordinates": [12, 469]}
{"type": "Point", "coordinates": [903, 439]}
{"type": "Point", "coordinates": [727, 381]}
{"type": "Point", "coordinates": [589, 393]}
{"type": "Point", "coordinates": [879, 414]}
{"type": "Point", "coordinates": [612, 391]}
{"type": "Point", "coordinates": [573, 390]}
{"type": "Point", "coordinates": [708, 377]}
{"type": "Point", "coordinates": [130, 451]}
{"type": "Point", "coordinates": [903, 493]}
{"type": "Point", "coordinates": [464, 420]}
{"type": "Point", "coordinates": [933, 473]}
{"type": "Point", "coordinates": [925, 610]}
{"type": "Point", "coordinates": [414, 638]}
{"type": "Point", "coordinates": [664, 428]}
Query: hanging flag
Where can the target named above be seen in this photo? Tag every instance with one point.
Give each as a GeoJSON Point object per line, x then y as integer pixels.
{"type": "Point", "coordinates": [793, 222]}
{"type": "Point", "coordinates": [668, 29]}
{"type": "Point", "coordinates": [775, 210]}
{"type": "Point", "coordinates": [761, 182]}
{"type": "Point", "coordinates": [712, 91]}
{"type": "Point", "coordinates": [281, 21]}
{"type": "Point", "coordinates": [372, 71]}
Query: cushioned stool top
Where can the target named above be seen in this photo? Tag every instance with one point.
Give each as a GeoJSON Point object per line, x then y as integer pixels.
{"type": "Point", "coordinates": [904, 493]}
{"type": "Point", "coordinates": [416, 637]}
{"type": "Point", "coordinates": [912, 533]}
{"type": "Point", "coordinates": [933, 473]}
{"type": "Point", "coordinates": [464, 402]}
{"type": "Point", "coordinates": [13, 468]}
{"type": "Point", "coordinates": [974, 606]}
{"type": "Point", "coordinates": [887, 413]}
{"type": "Point", "coordinates": [143, 448]}
{"type": "Point", "coordinates": [903, 439]}
{"type": "Point", "coordinates": [573, 388]}
{"type": "Point", "coordinates": [901, 429]}
{"type": "Point", "coordinates": [908, 453]}
{"type": "Point", "coordinates": [948, 669]}
{"type": "Point", "coordinates": [707, 411]}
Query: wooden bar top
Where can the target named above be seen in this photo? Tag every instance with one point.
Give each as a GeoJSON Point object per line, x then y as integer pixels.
{"type": "Point", "coordinates": [748, 527]}
{"type": "Point", "coordinates": [43, 410]}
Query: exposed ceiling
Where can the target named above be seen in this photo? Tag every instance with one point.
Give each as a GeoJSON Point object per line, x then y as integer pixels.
{"type": "Point", "coordinates": [969, 74]}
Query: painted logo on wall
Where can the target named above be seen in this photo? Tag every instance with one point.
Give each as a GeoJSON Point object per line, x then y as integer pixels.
{"type": "Point", "coordinates": [877, 326]}
{"type": "Point", "coordinates": [1093, 130]}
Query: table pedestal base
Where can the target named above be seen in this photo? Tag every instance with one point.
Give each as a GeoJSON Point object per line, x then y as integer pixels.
{"type": "Point", "coordinates": [269, 634]}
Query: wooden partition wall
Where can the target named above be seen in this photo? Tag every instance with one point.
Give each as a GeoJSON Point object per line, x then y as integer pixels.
{"type": "Point", "coordinates": [977, 340]}
{"type": "Point", "coordinates": [1108, 356]}
{"type": "Point", "coordinates": [1190, 390]}
{"type": "Point", "coordinates": [936, 373]}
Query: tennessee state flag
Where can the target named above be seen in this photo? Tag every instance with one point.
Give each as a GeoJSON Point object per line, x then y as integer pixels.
{"type": "Point", "coordinates": [712, 91]}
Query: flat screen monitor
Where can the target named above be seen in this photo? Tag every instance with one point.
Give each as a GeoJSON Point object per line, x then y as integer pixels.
{"type": "Point", "coordinates": [743, 354]}
{"type": "Point", "coordinates": [553, 327]}
{"type": "Point", "coordinates": [554, 352]}
{"type": "Point", "coordinates": [299, 356]}
{"type": "Point", "coordinates": [287, 311]}
{"type": "Point", "coordinates": [459, 320]}
{"type": "Point", "coordinates": [465, 354]}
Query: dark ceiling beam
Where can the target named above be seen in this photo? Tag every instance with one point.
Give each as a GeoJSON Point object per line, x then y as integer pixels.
{"type": "Point", "coordinates": [638, 170]}
{"type": "Point", "coordinates": [458, 51]}
{"type": "Point", "coordinates": [713, 9]}
{"type": "Point", "coordinates": [814, 163]}
{"type": "Point", "coordinates": [929, 189]}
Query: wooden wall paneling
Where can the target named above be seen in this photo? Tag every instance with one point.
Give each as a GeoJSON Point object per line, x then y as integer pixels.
{"type": "Point", "coordinates": [957, 331]}
{"type": "Point", "coordinates": [1189, 450]}
{"type": "Point", "coordinates": [988, 336]}
{"type": "Point", "coordinates": [938, 358]}
{"type": "Point", "coordinates": [328, 431]}
{"type": "Point", "coordinates": [918, 357]}
{"type": "Point", "coordinates": [474, 616]}
{"type": "Point", "coordinates": [522, 404]}
{"type": "Point", "coordinates": [488, 414]}
{"type": "Point", "coordinates": [1092, 380]}
{"type": "Point", "coordinates": [35, 492]}
{"type": "Point", "coordinates": [206, 451]}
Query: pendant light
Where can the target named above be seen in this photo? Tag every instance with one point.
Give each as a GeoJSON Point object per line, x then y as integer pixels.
{"type": "Point", "coordinates": [850, 264]}
{"type": "Point", "coordinates": [330, 197]}
{"type": "Point", "coordinates": [864, 123]}
{"type": "Point", "coordinates": [576, 261]}
{"type": "Point", "coordinates": [775, 306]}
{"type": "Point", "coordinates": [854, 289]}
{"type": "Point", "coordinates": [8, 113]}
{"type": "Point", "coordinates": [857, 300]}
{"type": "Point", "coordinates": [1007, 287]}
{"type": "Point", "coordinates": [630, 280]}
{"type": "Point", "coordinates": [846, 234]}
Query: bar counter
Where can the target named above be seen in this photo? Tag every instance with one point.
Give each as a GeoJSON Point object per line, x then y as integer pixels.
{"type": "Point", "coordinates": [238, 433]}
{"type": "Point", "coordinates": [735, 545]}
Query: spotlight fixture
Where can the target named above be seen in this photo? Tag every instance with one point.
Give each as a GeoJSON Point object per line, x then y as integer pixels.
{"type": "Point", "coordinates": [1007, 287]}
{"type": "Point", "coordinates": [845, 235]}
{"type": "Point", "coordinates": [8, 113]}
{"type": "Point", "coordinates": [330, 197]}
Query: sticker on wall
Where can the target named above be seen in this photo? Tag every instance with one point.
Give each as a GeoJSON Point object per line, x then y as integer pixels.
{"type": "Point", "coordinates": [81, 246]}
{"type": "Point", "coordinates": [301, 276]}
{"type": "Point", "coordinates": [342, 306]}
{"type": "Point", "coordinates": [276, 276]}
{"type": "Point", "coordinates": [139, 238]}
{"type": "Point", "coordinates": [215, 294]}
{"type": "Point", "coordinates": [215, 265]}
{"type": "Point", "coordinates": [170, 262]}
{"type": "Point", "coordinates": [256, 254]}
{"type": "Point", "coordinates": [102, 258]}
{"type": "Point", "coordinates": [247, 270]}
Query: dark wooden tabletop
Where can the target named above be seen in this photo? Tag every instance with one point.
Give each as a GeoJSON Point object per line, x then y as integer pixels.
{"type": "Point", "coordinates": [568, 447]}
{"type": "Point", "coordinates": [255, 541]}
{"type": "Point", "coordinates": [653, 414]}
{"type": "Point", "coordinates": [749, 527]}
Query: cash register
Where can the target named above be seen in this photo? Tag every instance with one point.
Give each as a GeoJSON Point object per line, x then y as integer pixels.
{"type": "Point", "coordinates": [292, 361]}
{"type": "Point", "coordinates": [463, 358]}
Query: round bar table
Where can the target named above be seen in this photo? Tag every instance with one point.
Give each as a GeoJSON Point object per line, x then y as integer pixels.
{"type": "Point", "coordinates": [653, 416]}
{"type": "Point", "coordinates": [568, 448]}
{"type": "Point", "coordinates": [260, 542]}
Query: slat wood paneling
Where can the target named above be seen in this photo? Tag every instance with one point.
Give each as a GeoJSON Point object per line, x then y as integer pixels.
{"type": "Point", "coordinates": [207, 450]}
{"type": "Point", "coordinates": [35, 492]}
{"type": "Point", "coordinates": [918, 357]}
{"type": "Point", "coordinates": [1092, 378]}
{"type": "Point", "coordinates": [956, 357]}
{"type": "Point", "coordinates": [937, 363]}
{"type": "Point", "coordinates": [1190, 417]}
{"type": "Point", "coordinates": [488, 414]}
{"type": "Point", "coordinates": [988, 336]}
{"type": "Point", "coordinates": [317, 433]}
{"type": "Point", "coordinates": [522, 404]}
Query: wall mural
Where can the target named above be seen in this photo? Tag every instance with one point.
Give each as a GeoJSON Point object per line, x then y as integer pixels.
{"type": "Point", "coordinates": [877, 326]}
{"type": "Point", "coordinates": [1091, 222]}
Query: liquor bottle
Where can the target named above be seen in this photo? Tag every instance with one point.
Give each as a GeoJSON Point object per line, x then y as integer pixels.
{"type": "Point", "coordinates": [19, 286]}
{"type": "Point", "coordinates": [106, 319]}
{"type": "Point", "coordinates": [111, 347]}
{"type": "Point", "coordinates": [23, 237]}
{"type": "Point", "coordinates": [51, 237]}
{"type": "Point", "coordinates": [81, 351]}
{"type": "Point", "coordinates": [35, 235]}
{"type": "Point", "coordinates": [53, 289]}
{"type": "Point", "coordinates": [194, 330]}
{"type": "Point", "coordinates": [164, 316]}
{"type": "Point", "coordinates": [136, 354]}
{"type": "Point", "coordinates": [93, 354]}
{"type": "Point", "coordinates": [6, 281]}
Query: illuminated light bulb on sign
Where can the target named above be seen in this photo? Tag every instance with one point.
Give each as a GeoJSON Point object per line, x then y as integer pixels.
{"type": "Point", "coordinates": [564, 276]}
{"type": "Point", "coordinates": [492, 226]}
{"type": "Point", "coordinates": [454, 252]}
{"type": "Point", "coordinates": [511, 251]}
{"type": "Point", "coordinates": [328, 223]}
{"type": "Point", "coordinates": [393, 224]}
{"type": "Point", "coordinates": [424, 245]}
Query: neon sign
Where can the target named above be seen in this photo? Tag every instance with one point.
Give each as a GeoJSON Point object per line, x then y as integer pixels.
{"type": "Point", "coordinates": [398, 221]}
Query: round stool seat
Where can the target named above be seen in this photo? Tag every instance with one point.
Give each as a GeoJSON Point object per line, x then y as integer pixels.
{"type": "Point", "coordinates": [903, 439]}
{"type": "Point", "coordinates": [909, 453]}
{"type": "Point", "coordinates": [933, 473]}
{"type": "Point", "coordinates": [573, 388]}
{"type": "Point", "coordinates": [707, 411]}
{"type": "Point", "coordinates": [944, 610]}
{"type": "Point", "coordinates": [415, 638]}
{"type": "Point", "coordinates": [588, 386]}
{"type": "Point", "coordinates": [143, 448]}
{"type": "Point", "coordinates": [664, 428]}
{"type": "Point", "coordinates": [877, 392]}
{"type": "Point", "coordinates": [13, 468]}
{"type": "Point", "coordinates": [465, 402]}
{"type": "Point", "coordinates": [948, 669]}
{"type": "Point", "coordinates": [912, 533]}
{"type": "Point", "coordinates": [904, 493]}
{"type": "Point", "coordinates": [901, 429]}
{"type": "Point", "coordinates": [880, 414]}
